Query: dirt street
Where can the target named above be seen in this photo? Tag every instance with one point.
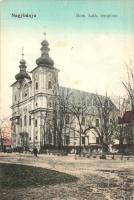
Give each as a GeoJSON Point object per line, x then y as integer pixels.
{"type": "Point", "coordinates": [98, 179]}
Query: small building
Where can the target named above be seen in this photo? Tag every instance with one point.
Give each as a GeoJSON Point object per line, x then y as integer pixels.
{"type": "Point", "coordinates": [5, 135]}
{"type": "Point", "coordinates": [127, 122]}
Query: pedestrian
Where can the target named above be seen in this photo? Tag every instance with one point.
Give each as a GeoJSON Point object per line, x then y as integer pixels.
{"type": "Point", "coordinates": [35, 151]}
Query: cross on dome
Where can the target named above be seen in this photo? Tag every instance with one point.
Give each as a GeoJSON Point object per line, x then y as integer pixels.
{"type": "Point", "coordinates": [22, 73]}
{"type": "Point", "coordinates": [22, 53]}
{"type": "Point", "coordinates": [44, 35]}
{"type": "Point", "coordinates": [45, 59]}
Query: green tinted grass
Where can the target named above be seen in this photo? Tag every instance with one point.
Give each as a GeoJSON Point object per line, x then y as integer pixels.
{"type": "Point", "coordinates": [16, 176]}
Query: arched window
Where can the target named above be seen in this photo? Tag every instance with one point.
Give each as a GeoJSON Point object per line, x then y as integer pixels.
{"type": "Point", "coordinates": [30, 120]}
{"type": "Point", "coordinates": [49, 85]}
{"type": "Point", "coordinates": [36, 86]}
{"type": "Point", "coordinates": [25, 120]}
{"type": "Point", "coordinates": [36, 123]}
{"type": "Point", "coordinates": [67, 139]}
{"type": "Point", "coordinates": [83, 140]}
{"type": "Point", "coordinates": [50, 137]}
{"type": "Point", "coordinates": [20, 122]}
{"type": "Point", "coordinates": [25, 91]}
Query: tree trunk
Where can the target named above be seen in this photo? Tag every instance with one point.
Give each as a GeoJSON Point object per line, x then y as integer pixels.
{"type": "Point", "coordinates": [60, 135]}
{"type": "Point", "coordinates": [2, 147]}
{"type": "Point", "coordinates": [104, 147]}
{"type": "Point", "coordinates": [80, 143]}
{"type": "Point", "coordinates": [121, 149]}
{"type": "Point", "coordinates": [55, 132]}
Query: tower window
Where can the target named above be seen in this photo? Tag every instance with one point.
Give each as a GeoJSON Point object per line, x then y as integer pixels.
{"type": "Point", "coordinates": [36, 137]}
{"type": "Point", "coordinates": [30, 120]}
{"type": "Point", "coordinates": [36, 86]}
{"type": "Point", "coordinates": [20, 122]}
{"type": "Point", "coordinates": [36, 123]}
{"type": "Point", "coordinates": [49, 85]}
{"type": "Point", "coordinates": [25, 120]}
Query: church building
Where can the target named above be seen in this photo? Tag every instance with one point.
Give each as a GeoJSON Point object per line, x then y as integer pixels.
{"type": "Point", "coordinates": [33, 112]}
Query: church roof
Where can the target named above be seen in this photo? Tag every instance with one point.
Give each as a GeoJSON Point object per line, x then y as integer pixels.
{"type": "Point", "coordinates": [78, 97]}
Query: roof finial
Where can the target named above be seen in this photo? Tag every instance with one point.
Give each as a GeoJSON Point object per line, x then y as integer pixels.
{"type": "Point", "coordinates": [44, 35]}
{"type": "Point", "coordinates": [22, 53]}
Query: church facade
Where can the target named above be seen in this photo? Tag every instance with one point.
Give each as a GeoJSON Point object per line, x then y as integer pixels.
{"type": "Point", "coordinates": [33, 112]}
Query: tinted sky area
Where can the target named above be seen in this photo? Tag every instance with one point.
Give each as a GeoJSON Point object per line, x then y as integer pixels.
{"type": "Point", "coordinates": [60, 14]}
{"type": "Point", "coordinates": [90, 42]}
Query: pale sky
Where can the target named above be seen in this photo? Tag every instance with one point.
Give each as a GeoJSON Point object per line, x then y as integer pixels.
{"type": "Point", "coordinates": [88, 59]}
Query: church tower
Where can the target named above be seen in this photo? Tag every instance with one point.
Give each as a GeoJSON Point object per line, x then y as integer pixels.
{"type": "Point", "coordinates": [44, 91]}
{"type": "Point", "coordinates": [20, 106]}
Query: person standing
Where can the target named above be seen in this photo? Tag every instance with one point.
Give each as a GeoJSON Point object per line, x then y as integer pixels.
{"type": "Point", "coordinates": [35, 151]}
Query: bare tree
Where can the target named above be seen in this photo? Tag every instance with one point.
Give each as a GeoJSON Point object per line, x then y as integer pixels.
{"type": "Point", "coordinates": [85, 114]}
{"type": "Point", "coordinates": [82, 117]}
{"type": "Point", "coordinates": [124, 130]}
{"type": "Point", "coordinates": [45, 125]}
{"type": "Point", "coordinates": [1, 134]}
{"type": "Point", "coordinates": [61, 109]}
{"type": "Point", "coordinates": [107, 113]}
{"type": "Point", "coordinates": [129, 85]}
{"type": "Point", "coordinates": [54, 119]}
{"type": "Point", "coordinates": [119, 131]}
{"type": "Point", "coordinates": [5, 131]}
{"type": "Point", "coordinates": [49, 123]}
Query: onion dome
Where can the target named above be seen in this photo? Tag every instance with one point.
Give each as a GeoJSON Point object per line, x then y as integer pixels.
{"type": "Point", "coordinates": [22, 74]}
{"type": "Point", "coordinates": [44, 59]}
